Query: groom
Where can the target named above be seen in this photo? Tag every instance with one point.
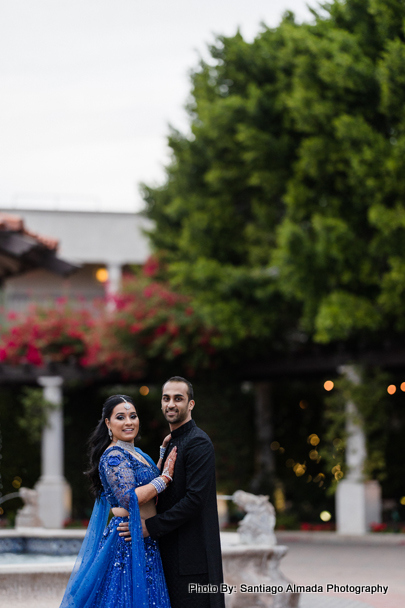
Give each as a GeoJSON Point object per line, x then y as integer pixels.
{"type": "Point", "coordinates": [186, 523]}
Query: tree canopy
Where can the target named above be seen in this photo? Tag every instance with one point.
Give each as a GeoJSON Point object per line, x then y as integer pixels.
{"type": "Point", "coordinates": [283, 211]}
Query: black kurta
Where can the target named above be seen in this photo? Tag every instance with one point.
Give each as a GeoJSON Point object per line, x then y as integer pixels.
{"type": "Point", "coordinates": [187, 522]}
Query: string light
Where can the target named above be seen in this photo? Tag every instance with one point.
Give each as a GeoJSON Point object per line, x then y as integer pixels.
{"type": "Point", "coordinates": [313, 439]}
{"type": "Point", "coordinates": [299, 469]}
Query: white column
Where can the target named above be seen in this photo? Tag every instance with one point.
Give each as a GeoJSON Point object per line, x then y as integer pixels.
{"type": "Point", "coordinates": [113, 284]}
{"type": "Point", "coordinates": [358, 502]}
{"type": "Point", "coordinates": [54, 493]}
{"type": "Point", "coordinates": [114, 278]}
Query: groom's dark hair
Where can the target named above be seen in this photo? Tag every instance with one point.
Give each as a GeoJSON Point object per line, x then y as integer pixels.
{"type": "Point", "coordinates": [190, 391]}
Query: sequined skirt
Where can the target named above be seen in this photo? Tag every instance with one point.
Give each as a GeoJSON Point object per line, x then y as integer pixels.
{"type": "Point", "coordinates": [115, 587]}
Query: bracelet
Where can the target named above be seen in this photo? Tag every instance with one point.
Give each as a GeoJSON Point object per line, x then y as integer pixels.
{"type": "Point", "coordinates": [162, 451]}
{"type": "Point", "coordinates": [164, 474]}
{"type": "Point", "coordinates": [159, 484]}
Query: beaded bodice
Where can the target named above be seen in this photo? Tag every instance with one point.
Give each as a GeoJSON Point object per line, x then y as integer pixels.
{"type": "Point", "coordinates": [120, 472]}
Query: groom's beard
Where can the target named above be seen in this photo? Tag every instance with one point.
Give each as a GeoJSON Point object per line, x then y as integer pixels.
{"type": "Point", "coordinates": [175, 416]}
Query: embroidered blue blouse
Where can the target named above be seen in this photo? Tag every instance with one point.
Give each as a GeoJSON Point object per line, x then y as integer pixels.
{"type": "Point", "coordinates": [121, 472]}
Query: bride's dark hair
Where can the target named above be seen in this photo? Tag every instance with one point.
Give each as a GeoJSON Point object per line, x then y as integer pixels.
{"type": "Point", "coordinates": [99, 440]}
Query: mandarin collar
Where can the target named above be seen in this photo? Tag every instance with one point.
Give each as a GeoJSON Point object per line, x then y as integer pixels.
{"type": "Point", "coordinates": [184, 428]}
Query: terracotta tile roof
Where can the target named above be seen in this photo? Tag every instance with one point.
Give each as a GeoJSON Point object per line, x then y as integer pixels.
{"type": "Point", "coordinates": [13, 223]}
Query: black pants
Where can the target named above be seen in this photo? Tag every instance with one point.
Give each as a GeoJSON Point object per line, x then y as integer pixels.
{"type": "Point", "coordinates": [181, 597]}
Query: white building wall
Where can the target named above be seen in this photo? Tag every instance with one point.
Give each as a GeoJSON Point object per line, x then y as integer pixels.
{"type": "Point", "coordinates": [91, 239]}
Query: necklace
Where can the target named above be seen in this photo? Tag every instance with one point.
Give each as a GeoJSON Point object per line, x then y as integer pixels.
{"type": "Point", "coordinates": [126, 445]}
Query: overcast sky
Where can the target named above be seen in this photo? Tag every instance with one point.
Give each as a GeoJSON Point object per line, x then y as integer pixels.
{"type": "Point", "coordinates": [88, 88]}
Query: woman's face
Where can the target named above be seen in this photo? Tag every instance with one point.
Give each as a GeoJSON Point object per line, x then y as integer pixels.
{"type": "Point", "coordinates": [124, 423]}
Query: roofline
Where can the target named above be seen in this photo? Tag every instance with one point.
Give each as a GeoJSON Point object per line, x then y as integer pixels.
{"type": "Point", "coordinates": [71, 211]}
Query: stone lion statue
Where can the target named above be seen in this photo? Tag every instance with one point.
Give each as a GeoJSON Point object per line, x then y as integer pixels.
{"type": "Point", "coordinates": [257, 527]}
{"type": "Point", "coordinates": [27, 516]}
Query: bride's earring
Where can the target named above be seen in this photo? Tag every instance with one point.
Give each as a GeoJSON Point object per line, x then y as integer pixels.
{"type": "Point", "coordinates": [110, 433]}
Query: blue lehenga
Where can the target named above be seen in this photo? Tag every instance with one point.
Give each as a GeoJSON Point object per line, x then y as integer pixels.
{"type": "Point", "coordinates": [110, 572]}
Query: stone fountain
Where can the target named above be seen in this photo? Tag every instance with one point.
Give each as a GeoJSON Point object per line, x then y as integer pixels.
{"type": "Point", "coordinates": [252, 557]}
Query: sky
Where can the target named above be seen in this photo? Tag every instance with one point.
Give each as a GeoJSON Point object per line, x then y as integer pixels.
{"type": "Point", "coordinates": [88, 89]}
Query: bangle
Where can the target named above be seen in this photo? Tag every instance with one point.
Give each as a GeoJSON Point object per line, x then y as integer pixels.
{"type": "Point", "coordinates": [167, 476]}
{"type": "Point", "coordinates": [159, 484]}
{"type": "Point", "coordinates": [162, 451]}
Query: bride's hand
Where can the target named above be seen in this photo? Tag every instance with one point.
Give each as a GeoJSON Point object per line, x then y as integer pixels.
{"type": "Point", "coordinates": [166, 440]}
{"type": "Point", "coordinates": [169, 464]}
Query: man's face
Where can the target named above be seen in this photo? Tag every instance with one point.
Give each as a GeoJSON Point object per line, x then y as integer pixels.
{"type": "Point", "coordinates": [176, 407]}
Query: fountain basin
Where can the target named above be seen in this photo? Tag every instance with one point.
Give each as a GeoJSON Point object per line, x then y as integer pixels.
{"type": "Point", "coordinates": [44, 583]}
{"type": "Point", "coordinates": [252, 571]}
{"type": "Point", "coordinates": [33, 585]}
{"type": "Point", "coordinates": [40, 540]}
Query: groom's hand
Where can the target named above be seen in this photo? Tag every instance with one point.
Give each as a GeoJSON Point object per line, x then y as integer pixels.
{"type": "Point", "coordinates": [123, 530]}
{"type": "Point", "coordinates": [144, 529]}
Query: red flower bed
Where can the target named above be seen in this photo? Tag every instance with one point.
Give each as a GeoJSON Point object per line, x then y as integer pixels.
{"type": "Point", "coordinates": [323, 527]}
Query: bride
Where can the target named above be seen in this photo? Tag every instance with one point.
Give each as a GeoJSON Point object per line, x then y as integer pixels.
{"type": "Point", "coordinates": [110, 571]}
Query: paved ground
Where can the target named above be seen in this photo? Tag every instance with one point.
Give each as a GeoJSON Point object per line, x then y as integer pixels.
{"type": "Point", "coordinates": [347, 564]}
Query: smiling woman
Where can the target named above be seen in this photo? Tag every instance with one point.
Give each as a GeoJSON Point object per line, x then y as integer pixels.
{"type": "Point", "coordinates": [124, 422]}
{"type": "Point", "coordinates": [109, 570]}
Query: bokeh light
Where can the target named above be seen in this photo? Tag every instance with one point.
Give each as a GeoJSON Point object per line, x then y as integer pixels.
{"type": "Point", "coordinates": [402, 387]}
{"type": "Point", "coordinates": [279, 499]}
{"type": "Point", "coordinates": [391, 389]}
{"type": "Point", "coordinates": [337, 472]}
{"type": "Point", "coordinates": [328, 385]}
{"type": "Point", "coordinates": [144, 390]}
{"type": "Point", "coordinates": [102, 275]}
{"type": "Point", "coordinates": [274, 445]}
{"type": "Point", "coordinates": [299, 469]}
{"type": "Point", "coordinates": [303, 404]}
{"type": "Point", "coordinates": [319, 477]}
{"type": "Point", "coordinates": [16, 483]}
{"type": "Point", "coordinates": [325, 516]}
{"type": "Point", "coordinates": [314, 454]}
{"type": "Point", "coordinates": [289, 463]}
{"type": "Point", "coordinates": [402, 501]}
{"type": "Point", "coordinates": [313, 439]}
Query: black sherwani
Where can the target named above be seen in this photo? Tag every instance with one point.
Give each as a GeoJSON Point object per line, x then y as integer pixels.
{"type": "Point", "coordinates": [187, 521]}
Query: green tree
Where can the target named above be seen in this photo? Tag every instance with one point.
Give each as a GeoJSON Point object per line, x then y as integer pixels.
{"type": "Point", "coordinates": [283, 213]}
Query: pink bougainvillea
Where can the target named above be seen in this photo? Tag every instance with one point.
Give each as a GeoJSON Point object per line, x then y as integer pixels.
{"type": "Point", "coordinates": [145, 322]}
